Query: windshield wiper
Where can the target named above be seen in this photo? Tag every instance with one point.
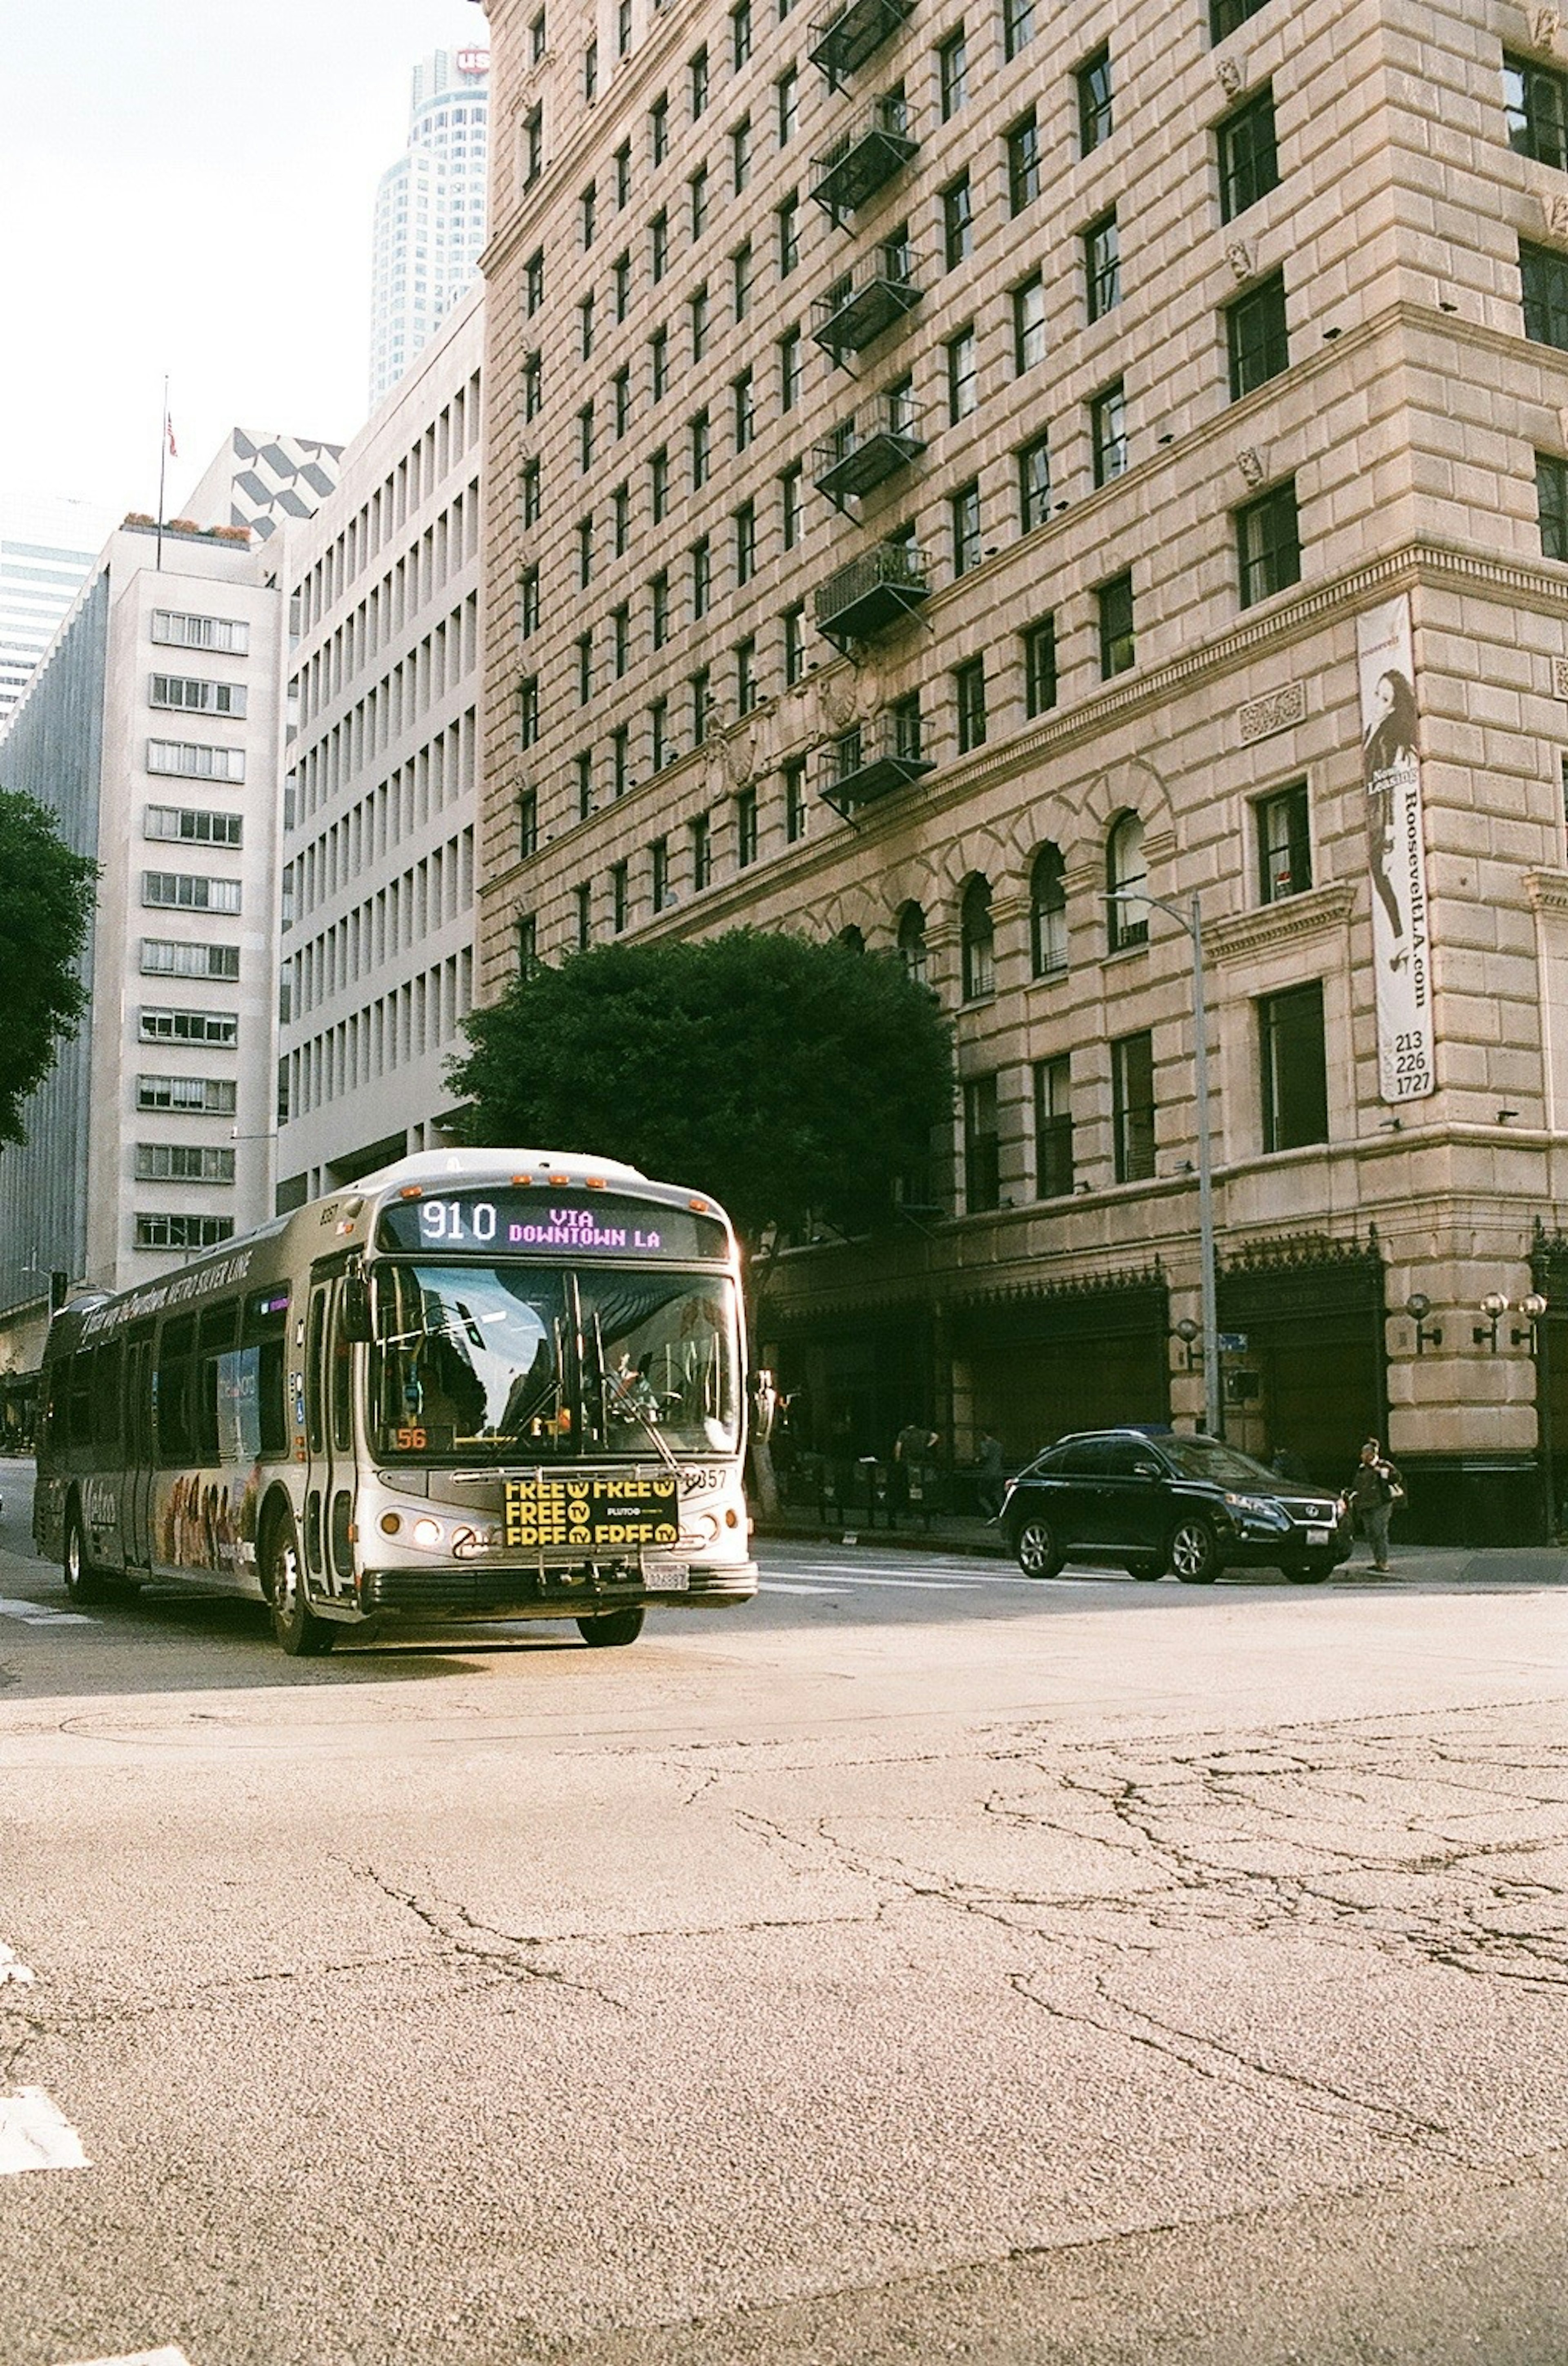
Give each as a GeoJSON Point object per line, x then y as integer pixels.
{"type": "Point", "coordinates": [625, 1405]}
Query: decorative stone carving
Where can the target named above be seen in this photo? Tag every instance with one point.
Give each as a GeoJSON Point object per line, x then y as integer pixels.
{"type": "Point", "coordinates": [838, 699]}
{"type": "Point", "coordinates": [1545, 25]}
{"type": "Point", "coordinates": [1554, 211]}
{"type": "Point", "coordinates": [1277, 710]}
{"type": "Point", "coordinates": [1250, 462]}
{"type": "Point", "coordinates": [1560, 677]}
{"type": "Point", "coordinates": [1239, 254]}
{"type": "Point", "coordinates": [738, 754]}
{"type": "Point", "coordinates": [1228, 69]}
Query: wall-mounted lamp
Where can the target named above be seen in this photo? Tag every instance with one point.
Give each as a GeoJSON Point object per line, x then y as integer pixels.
{"type": "Point", "coordinates": [1428, 1335]}
{"type": "Point", "coordinates": [1532, 1308]}
{"type": "Point", "coordinates": [1190, 1333]}
{"type": "Point", "coordinates": [1494, 1306]}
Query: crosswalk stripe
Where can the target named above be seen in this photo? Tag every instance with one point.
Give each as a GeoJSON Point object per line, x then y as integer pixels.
{"type": "Point", "coordinates": [169, 2356]}
{"type": "Point", "coordinates": [36, 2134]}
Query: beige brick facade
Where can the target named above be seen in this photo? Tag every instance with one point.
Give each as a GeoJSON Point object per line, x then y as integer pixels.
{"type": "Point", "coordinates": [1409, 419]}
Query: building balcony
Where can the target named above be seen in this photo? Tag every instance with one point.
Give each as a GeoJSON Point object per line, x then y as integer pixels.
{"type": "Point", "coordinates": [874, 759]}
{"type": "Point", "coordinates": [866, 302]}
{"type": "Point", "coordinates": [866, 159]}
{"type": "Point", "coordinates": [867, 449]}
{"type": "Point", "coordinates": [872, 594]}
{"type": "Point", "coordinates": [842, 43]}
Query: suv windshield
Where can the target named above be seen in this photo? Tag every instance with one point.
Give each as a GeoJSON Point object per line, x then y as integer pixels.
{"type": "Point", "coordinates": [508, 1362]}
{"type": "Point", "coordinates": [1206, 1458]}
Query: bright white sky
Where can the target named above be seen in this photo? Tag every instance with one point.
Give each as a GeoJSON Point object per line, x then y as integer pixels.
{"type": "Point", "coordinates": [187, 186]}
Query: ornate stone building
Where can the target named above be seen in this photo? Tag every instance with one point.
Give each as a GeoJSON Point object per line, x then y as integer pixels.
{"type": "Point", "coordinates": [953, 475]}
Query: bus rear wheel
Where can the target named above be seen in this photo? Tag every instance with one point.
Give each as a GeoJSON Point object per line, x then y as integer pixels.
{"type": "Point", "coordinates": [610, 1626]}
{"type": "Point", "coordinates": [299, 1630]}
{"type": "Point", "coordinates": [82, 1582]}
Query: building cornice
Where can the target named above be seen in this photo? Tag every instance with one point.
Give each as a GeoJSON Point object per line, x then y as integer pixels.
{"type": "Point", "coordinates": [1241, 936]}
{"type": "Point", "coordinates": [1548, 890]}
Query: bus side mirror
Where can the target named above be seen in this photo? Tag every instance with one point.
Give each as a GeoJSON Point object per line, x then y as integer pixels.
{"type": "Point", "coordinates": [354, 1307]}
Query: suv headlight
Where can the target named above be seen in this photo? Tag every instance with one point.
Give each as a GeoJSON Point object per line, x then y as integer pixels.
{"type": "Point", "coordinates": [1259, 1507]}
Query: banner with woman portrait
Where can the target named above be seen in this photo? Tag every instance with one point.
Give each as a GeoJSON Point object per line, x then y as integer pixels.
{"type": "Point", "coordinates": [1397, 853]}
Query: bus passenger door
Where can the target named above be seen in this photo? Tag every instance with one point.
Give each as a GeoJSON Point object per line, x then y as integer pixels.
{"type": "Point", "coordinates": [329, 1437]}
{"type": "Point", "coordinates": [139, 1453]}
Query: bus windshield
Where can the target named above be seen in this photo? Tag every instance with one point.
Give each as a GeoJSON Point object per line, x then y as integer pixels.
{"type": "Point", "coordinates": [506, 1363]}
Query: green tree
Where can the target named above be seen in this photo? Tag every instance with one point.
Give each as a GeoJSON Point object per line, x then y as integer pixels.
{"type": "Point", "coordinates": [46, 901]}
{"type": "Point", "coordinates": [789, 1078]}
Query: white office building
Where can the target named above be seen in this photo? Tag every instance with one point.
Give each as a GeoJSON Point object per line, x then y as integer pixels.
{"type": "Point", "coordinates": [47, 547]}
{"type": "Point", "coordinates": [430, 212]}
{"type": "Point", "coordinates": [380, 801]}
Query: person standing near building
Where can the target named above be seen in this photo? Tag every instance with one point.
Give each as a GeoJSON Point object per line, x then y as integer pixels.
{"type": "Point", "coordinates": [916, 1444]}
{"type": "Point", "coordinates": [992, 1487]}
{"type": "Point", "coordinates": [1373, 1491]}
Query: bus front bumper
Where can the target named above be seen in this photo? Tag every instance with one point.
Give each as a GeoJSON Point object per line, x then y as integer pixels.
{"type": "Point", "coordinates": [547, 1593]}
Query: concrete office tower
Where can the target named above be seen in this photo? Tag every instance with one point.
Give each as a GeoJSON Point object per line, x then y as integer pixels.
{"type": "Point", "coordinates": [47, 547]}
{"type": "Point", "coordinates": [430, 212]}
{"type": "Point", "coordinates": [379, 806]}
{"type": "Point", "coordinates": [265, 481]}
{"type": "Point", "coordinates": [154, 730]}
{"type": "Point", "coordinates": [1026, 460]}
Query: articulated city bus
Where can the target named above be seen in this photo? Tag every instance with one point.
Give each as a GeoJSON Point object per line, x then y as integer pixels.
{"type": "Point", "coordinates": [479, 1384]}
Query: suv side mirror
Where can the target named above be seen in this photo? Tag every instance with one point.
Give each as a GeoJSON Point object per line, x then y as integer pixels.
{"type": "Point", "coordinates": [1145, 1470]}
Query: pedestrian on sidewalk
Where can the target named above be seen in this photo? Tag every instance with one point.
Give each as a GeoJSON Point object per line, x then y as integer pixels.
{"type": "Point", "coordinates": [993, 1487]}
{"type": "Point", "coordinates": [1373, 1491]}
{"type": "Point", "coordinates": [912, 1455]}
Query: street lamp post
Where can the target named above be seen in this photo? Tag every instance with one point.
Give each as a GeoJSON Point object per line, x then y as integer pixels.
{"type": "Point", "coordinates": [1192, 922]}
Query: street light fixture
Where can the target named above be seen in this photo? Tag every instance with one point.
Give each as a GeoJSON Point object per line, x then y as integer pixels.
{"type": "Point", "coordinates": [1494, 1306]}
{"type": "Point", "coordinates": [1532, 1308]}
{"type": "Point", "coordinates": [1428, 1335]}
{"type": "Point", "coordinates": [1192, 922]}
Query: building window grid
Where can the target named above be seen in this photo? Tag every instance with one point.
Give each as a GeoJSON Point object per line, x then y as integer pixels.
{"type": "Point", "coordinates": [953, 73]}
{"type": "Point", "coordinates": [982, 1145]}
{"type": "Point", "coordinates": [1118, 643]}
{"type": "Point", "coordinates": [969, 701]}
{"type": "Point", "coordinates": [1096, 110]}
{"type": "Point", "coordinates": [1294, 1067]}
{"type": "Point", "coordinates": [1040, 667]}
{"type": "Point", "coordinates": [1108, 432]}
{"type": "Point", "coordinates": [1257, 340]}
{"type": "Point", "coordinates": [1248, 154]}
{"type": "Point", "coordinates": [1053, 1177]}
{"type": "Point", "coordinates": [1285, 843]}
{"type": "Point", "coordinates": [963, 376]}
{"type": "Point", "coordinates": [1017, 27]}
{"type": "Point", "coordinates": [1103, 265]}
{"type": "Point", "coordinates": [1023, 143]}
{"type": "Point", "coordinates": [964, 508]}
{"type": "Point", "coordinates": [1552, 503]}
{"type": "Point", "coordinates": [1543, 275]}
{"type": "Point", "coordinates": [1535, 108]}
{"type": "Point", "coordinates": [1033, 485]}
{"type": "Point", "coordinates": [1133, 1108]}
{"type": "Point", "coordinates": [1029, 324]}
{"type": "Point", "coordinates": [957, 221]}
{"type": "Point", "coordinates": [1268, 550]}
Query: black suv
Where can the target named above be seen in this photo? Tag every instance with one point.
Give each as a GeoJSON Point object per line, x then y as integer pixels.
{"type": "Point", "coordinates": [1191, 1504]}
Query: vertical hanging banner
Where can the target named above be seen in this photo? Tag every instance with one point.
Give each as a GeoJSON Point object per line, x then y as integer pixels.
{"type": "Point", "coordinates": [1396, 854]}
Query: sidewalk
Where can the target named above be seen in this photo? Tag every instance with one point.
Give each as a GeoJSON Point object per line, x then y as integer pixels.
{"type": "Point", "coordinates": [951, 1533]}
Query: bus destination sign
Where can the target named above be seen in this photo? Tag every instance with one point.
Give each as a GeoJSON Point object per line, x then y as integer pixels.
{"type": "Point", "coordinates": [591, 1515]}
{"type": "Point", "coordinates": [561, 1222]}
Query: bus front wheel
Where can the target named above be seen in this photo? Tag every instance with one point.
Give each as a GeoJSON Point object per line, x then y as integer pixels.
{"type": "Point", "coordinates": [612, 1626]}
{"type": "Point", "coordinates": [299, 1630]}
{"type": "Point", "coordinates": [82, 1582]}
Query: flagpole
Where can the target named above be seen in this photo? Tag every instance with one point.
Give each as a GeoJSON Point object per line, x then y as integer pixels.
{"type": "Point", "coordinates": [163, 469]}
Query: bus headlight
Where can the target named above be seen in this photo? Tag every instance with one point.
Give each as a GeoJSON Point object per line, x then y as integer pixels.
{"type": "Point", "coordinates": [426, 1533]}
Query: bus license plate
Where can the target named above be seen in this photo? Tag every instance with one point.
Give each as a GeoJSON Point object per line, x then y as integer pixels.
{"type": "Point", "coordinates": [665, 1576]}
{"type": "Point", "coordinates": [1317, 1536]}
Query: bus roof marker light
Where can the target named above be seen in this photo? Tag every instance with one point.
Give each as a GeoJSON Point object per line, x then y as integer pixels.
{"type": "Point", "coordinates": [597, 1183]}
{"type": "Point", "coordinates": [412, 1192]}
{"type": "Point", "coordinates": [698, 1207]}
{"type": "Point", "coordinates": [560, 1178]}
{"type": "Point", "coordinates": [522, 1182]}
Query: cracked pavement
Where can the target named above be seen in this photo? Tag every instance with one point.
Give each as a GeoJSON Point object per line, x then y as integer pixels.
{"type": "Point", "coordinates": [1082, 1972]}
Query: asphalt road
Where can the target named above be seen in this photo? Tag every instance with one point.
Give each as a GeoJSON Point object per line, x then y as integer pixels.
{"type": "Point", "coordinates": [920, 1964]}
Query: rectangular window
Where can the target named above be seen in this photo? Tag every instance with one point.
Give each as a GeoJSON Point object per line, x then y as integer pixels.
{"type": "Point", "coordinates": [175, 630]}
{"type": "Point", "coordinates": [620, 761]}
{"type": "Point", "coordinates": [1284, 844]}
{"type": "Point", "coordinates": [1535, 107]}
{"type": "Point", "coordinates": [585, 329]}
{"type": "Point", "coordinates": [957, 221]}
{"type": "Point", "coordinates": [1268, 550]}
{"type": "Point", "coordinates": [622, 175]}
{"type": "Point", "coordinates": [1095, 114]}
{"type": "Point", "coordinates": [192, 763]}
{"type": "Point", "coordinates": [745, 402]}
{"type": "Point", "coordinates": [740, 264]}
{"type": "Point", "coordinates": [621, 397]}
{"type": "Point", "coordinates": [193, 828]}
{"type": "Point", "coordinates": [745, 829]}
{"type": "Point", "coordinates": [702, 579]}
{"type": "Point", "coordinates": [585, 438]}
{"type": "Point", "coordinates": [533, 386]}
{"type": "Point", "coordinates": [584, 668]}
{"type": "Point", "coordinates": [189, 1027]}
{"type": "Point", "coordinates": [528, 601]}
{"type": "Point", "coordinates": [964, 508]}
{"type": "Point", "coordinates": [1118, 646]}
{"type": "Point", "coordinates": [182, 891]}
{"type": "Point", "coordinates": [660, 749]}
{"type": "Point", "coordinates": [658, 608]}
{"type": "Point", "coordinates": [701, 688]}
{"type": "Point", "coordinates": [658, 246]}
{"type": "Point", "coordinates": [697, 83]}
{"type": "Point", "coordinates": [182, 1232]}
{"type": "Point", "coordinates": [195, 1096]}
{"type": "Point", "coordinates": [787, 91]}
{"type": "Point", "coordinates": [620, 897]}
{"type": "Point", "coordinates": [527, 926]}
{"type": "Point", "coordinates": [582, 895]}
{"type": "Point", "coordinates": [528, 712]}
{"type": "Point", "coordinates": [698, 310]}
{"type": "Point", "coordinates": [659, 485]}
{"type": "Point", "coordinates": [740, 33]}
{"type": "Point", "coordinates": [788, 218]}
{"type": "Point", "coordinates": [969, 698]}
{"type": "Point", "coordinates": [1018, 26]}
{"type": "Point", "coordinates": [1033, 485]}
{"type": "Point", "coordinates": [163, 960]}
{"type": "Point", "coordinates": [1543, 275]}
{"type": "Point", "coordinates": [745, 524]}
{"type": "Point", "coordinates": [621, 518]}
{"type": "Point", "coordinates": [1108, 432]}
{"type": "Point", "coordinates": [622, 273]}
{"type": "Point", "coordinates": [1552, 503]}
{"type": "Point", "coordinates": [791, 499]}
{"type": "Point", "coordinates": [584, 552]}
{"type": "Point", "coordinates": [1133, 1107]}
{"type": "Point", "coordinates": [194, 697]}
{"type": "Point", "coordinates": [795, 800]}
{"type": "Point", "coordinates": [658, 873]}
{"type": "Point", "coordinates": [621, 639]}
{"type": "Point", "coordinates": [527, 823]}
{"type": "Point", "coordinates": [659, 127]}
{"type": "Point", "coordinates": [1256, 337]}
{"type": "Point", "coordinates": [701, 852]}
{"type": "Point", "coordinates": [583, 764]}
{"type": "Point", "coordinates": [702, 447]}
{"type": "Point", "coordinates": [792, 368]}
{"type": "Point", "coordinates": [740, 154]}
{"type": "Point", "coordinates": [1102, 266]}
{"type": "Point", "coordinates": [588, 207]}
{"type": "Point", "coordinates": [1040, 667]}
{"type": "Point", "coordinates": [183, 1162]}
{"type": "Point", "coordinates": [1053, 1128]}
{"type": "Point", "coordinates": [623, 29]}
{"type": "Point", "coordinates": [591, 76]}
{"type": "Point", "coordinates": [982, 1145]}
{"type": "Point", "coordinates": [532, 499]}
{"type": "Point", "coordinates": [1294, 1070]}
{"type": "Point", "coordinates": [795, 644]}
{"type": "Point", "coordinates": [1249, 160]}
{"type": "Point", "coordinates": [698, 186]}
{"type": "Point", "coordinates": [1225, 15]}
{"type": "Point", "coordinates": [533, 167]}
{"type": "Point", "coordinates": [1029, 325]}
{"type": "Point", "coordinates": [953, 73]}
{"type": "Point", "coordinates": [1023, 141]}
{"type": "Point", "coordinates": [534, 283]}
{"type": "Point", "coordinates": [658, 364]}
{"type": "Point", "coordinates": [963, 376]}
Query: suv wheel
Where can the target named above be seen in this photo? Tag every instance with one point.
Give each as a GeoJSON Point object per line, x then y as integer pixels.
{"type": "Point", "coordinates": [1036, 1549]}
{"type": "Point", "coordinates": [1194, 1556]}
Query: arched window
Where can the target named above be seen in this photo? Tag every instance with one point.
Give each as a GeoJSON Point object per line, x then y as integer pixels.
{"type": "Point", "coordinates": [853, 939]}
{"type": "Point", "coordinates": [912, 943]}
{"type": "Point", "coordinates": [1126, 878]}
{"type": "Point", "coordinates": [1047, 913]}
{"type": "Point", "coordinates": [977, 940]}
